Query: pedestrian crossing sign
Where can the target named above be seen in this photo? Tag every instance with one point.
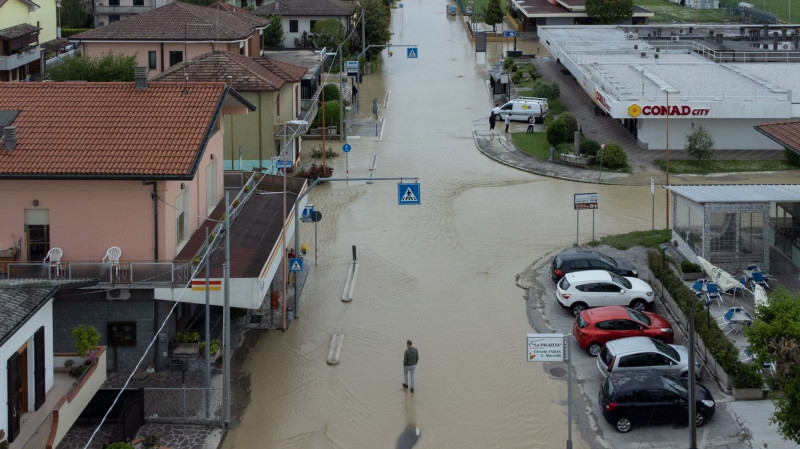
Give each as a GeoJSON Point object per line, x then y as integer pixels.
{"type": "Point", "coordinates": [411, 52]}
{"type": "Point", "coordinates": [296, 264]}
{"type": "Point", "coordinates": [408, 193]}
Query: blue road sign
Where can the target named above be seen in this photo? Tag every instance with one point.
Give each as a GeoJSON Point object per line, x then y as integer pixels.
{"type": "Point", "coordinates": [408, 193]}
{"type": "Point", "coordinates": [346, 148]}
{"type": "Point", "coordinates": [411, 53]}
{"type": "Point", "coordinates": [400, 5]}
{"type": "Point", "coordinates": [295, 264]}
{"type": "Point", "coordinates": [510, 33]}
{"type": "Point", "coordinates": [280, 163]}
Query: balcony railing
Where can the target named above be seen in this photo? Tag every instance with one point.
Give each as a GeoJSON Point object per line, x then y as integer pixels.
{"type": "Point", "coordinates": [127, 273]}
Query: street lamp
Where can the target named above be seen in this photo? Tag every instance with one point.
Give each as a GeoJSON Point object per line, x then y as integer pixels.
{"type": "Point", "coordinates": [283, 231]}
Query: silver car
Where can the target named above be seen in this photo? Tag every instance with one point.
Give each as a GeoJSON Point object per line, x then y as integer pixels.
{"type": "Point", "coordinates": [636, 353]}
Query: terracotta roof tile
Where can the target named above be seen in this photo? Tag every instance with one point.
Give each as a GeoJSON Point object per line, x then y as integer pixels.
{"type": "Point", "coordinates": [785, 133]}
{"type": "Point", "coordinates": [94, 130]}
{"type": "Point", "coordinates": [247, 74]}
{"type": "Point", "coordinates": [167, 23]}
{"type": "Point", "coordinates": [324, 8]}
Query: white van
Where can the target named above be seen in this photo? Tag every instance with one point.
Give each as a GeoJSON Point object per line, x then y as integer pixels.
{"type": "Point", "coordinates": [521, 108]}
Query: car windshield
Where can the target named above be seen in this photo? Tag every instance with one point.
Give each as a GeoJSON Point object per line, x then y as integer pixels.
{"type": "Point", "coordinates": [677, 384]}
{"type": "Point", "coordinates": [607, 259]}
{"type": "Point", "coordinates": [581, 322]}
{"type": "Point", "coordinates": [639, 316]}
{"type": "Point", "coordinates": [619, 280]}
{"type": "Point", "coordinates": [666, 349]}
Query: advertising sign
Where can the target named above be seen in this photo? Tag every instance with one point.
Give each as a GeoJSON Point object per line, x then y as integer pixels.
{"type": "Point", "coordinates": [585, 201]}
{"type": "Point", "coordinates": [546, 348]}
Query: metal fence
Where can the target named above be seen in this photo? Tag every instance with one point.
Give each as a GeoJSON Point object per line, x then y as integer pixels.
{"type": "Point", "coordinates": [196, 404]}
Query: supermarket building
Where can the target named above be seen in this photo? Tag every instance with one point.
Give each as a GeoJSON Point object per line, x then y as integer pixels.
{"type": "Point", "coordinates": [662, 82]}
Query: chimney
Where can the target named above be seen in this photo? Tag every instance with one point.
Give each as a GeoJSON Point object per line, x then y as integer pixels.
{"type": "Point", "coordinates": [10, 137]}
{"type": "Point", "coordinates": [140, 76]}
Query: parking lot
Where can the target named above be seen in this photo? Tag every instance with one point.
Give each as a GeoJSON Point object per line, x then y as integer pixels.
{"type": "Point", "coordinates": [546, 315]}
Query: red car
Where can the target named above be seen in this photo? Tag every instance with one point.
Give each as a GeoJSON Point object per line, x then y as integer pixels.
{"type": "Point", "coordinates": [594, 327]}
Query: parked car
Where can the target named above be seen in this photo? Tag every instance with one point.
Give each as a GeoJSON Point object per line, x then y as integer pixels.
{"type": "Point", "coordinates": [580, 260]}
{"type": "Point", "coordinates": [636, 353]}
{"type": "Point", "coordinates": [594, 327]}
{"type": "Point", "coordinates": [595, 288]}
{"type": "Point", "coordinates": [651, 397]}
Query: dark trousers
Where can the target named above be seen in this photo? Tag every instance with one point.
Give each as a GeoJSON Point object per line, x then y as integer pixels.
{"type": "Point", "coordinates": [530, 128]}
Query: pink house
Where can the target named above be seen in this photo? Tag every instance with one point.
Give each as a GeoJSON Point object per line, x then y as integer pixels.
{"type": "Point", "coordinates": [176, 32]}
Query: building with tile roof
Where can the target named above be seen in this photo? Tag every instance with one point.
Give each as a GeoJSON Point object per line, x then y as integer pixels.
{"type": "Point", "coordinates": [298, 17]}
{"type": "Point", "coordinates": [663, 82]}
{"type": "Point", "coordinates": [24, 24]}
{"type": "Point", "coordinates": [535, 13]}
{"type": "Point", "coordinates": [168, 35]}
{"type": "Point", "coordinates": [27, 333]}
{"type": "Point", "coordinates": [270, 84]}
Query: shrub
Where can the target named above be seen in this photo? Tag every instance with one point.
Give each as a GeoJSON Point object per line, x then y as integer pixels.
{"type": "Point", "coordinates": [331, 114]}
{"type": "Point", "coordinates": [508, 62]}
{"type": "Point", "coordinates": [689, 267]}
{"type": "Point", "coordinates": [571, 125]}
{"type": "Point", "coordinates": [542, 88]}
{"type": "Point", "coordinates": [792, 157]}
{"type": "Point", "coordinates": [612, 156]}
{"type": "Point", "coordinates": [516, 77]}
{"type": "Point", "coordinates": [747, 375]}
{"type": "Point", "coordinates": [316, 153]}
{"type": "Point", "coordinates": [86, 339]}
{"type": "Point", "coordinates": [556, 133]}
{"type": "Point", "coordinates": [589, 147]}
{"type": "Point", "coordinates": [514, 68]}
{"type": "Point", "coordinates": [316, 171]}
{"type": "Point", "coordinates": [119, 445]}
{"type": "Point", "coordinates": [331, 93]}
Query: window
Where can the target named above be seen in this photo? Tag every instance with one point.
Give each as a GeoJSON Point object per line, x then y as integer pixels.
{"type": "Point", "coordinates": [211, 186]}
{"type": "Point", "coordinates": [113, 2]}
{"type": "Point", "coordinates": [182, 217]}
{"type": "Point", "coordinates": [138, 2]}
{"type": "Point", "coordinates": [313, 23]}
{"type": "Point", "coordinates": [151, 58]}
{"type": "Point", "coordinates": [175, 57]}
{"type": "Point", "coordinates": [292, 26]}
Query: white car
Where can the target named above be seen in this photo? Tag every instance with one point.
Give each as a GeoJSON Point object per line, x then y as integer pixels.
{"type": "Point", "coordinates": [581, 290]}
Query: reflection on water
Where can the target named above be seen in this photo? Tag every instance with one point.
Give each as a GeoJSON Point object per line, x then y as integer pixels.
{"type": "Point", "coordinates": [441, 274]}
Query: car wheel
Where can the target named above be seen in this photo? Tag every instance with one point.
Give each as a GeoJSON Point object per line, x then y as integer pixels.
{"type": "Point", "coordinates": [498, 117]}
{"type": "Point", "coordinates": [594, 349]}
{"type": "Point", "coordinates": [639, 305]}
{"type": "Point", "coordinates": [700, 419]}
{"type": "Point", "coordinates": [578, 307]}
{"type": "Point", "coordinates": [623, 424]}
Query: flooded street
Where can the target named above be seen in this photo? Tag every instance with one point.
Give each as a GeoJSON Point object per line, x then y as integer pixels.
{"type": "Point", "coordinates": [442, 274]}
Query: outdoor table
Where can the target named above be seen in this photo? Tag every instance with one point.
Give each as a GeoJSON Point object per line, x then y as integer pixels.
{"type": "Point", "coordinates": [740, 318]}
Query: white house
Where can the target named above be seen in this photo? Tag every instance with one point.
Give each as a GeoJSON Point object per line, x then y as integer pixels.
{"type": "Point", "coordinates": [298, 17]}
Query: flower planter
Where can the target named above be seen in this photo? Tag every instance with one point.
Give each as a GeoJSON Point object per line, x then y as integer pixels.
{"type": "Point", "coordinates": [691, 276]}
{"type": "Point", "coordinates": [748, 394]}
{"type": "Point", "coordinates": [580, 161]}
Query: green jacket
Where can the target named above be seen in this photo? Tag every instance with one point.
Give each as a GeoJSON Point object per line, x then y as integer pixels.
{"type": "Point", "coordinates": [411, 357]}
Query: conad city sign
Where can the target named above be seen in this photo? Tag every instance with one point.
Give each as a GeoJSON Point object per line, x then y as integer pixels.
{"type": "Point", "coordinates": [635, 110]}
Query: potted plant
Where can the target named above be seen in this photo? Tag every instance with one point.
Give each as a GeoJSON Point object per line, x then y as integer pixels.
{"type": "Point", "coordinates": [214, 347]}
{"type": "Point", "coordinates": [86, 340]}
{"type": "Point", "coordinates": [748, 383]}
{"type": "Point", "coordinates": [690, 271]}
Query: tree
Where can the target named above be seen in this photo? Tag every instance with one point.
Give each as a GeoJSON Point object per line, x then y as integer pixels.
{"type": "Point", "coordinates": [609, 11]}
{"type": "Point", "coordinates": [329, 33]}
{"type": "Point", "coordinates": [494, 14]}
{"type": "Point", "coordinates": [612, 155]}
{"type": "Point", "coordinates": [108, 67]}
{"type": "Point", "coordinates": [273, 35]}
{"type": "Point", "coordinates": [73, 14]}
{"type": "Point", "coordinates": [376, 18]}
{"type": "Point", "coordinates": [775, 334]}
{"type": "Point", "coordinates": [699, 144]}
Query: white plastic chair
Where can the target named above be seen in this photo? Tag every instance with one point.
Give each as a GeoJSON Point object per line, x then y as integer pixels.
{"type": "Point", "coordinates": [54, 257]}
{"type": "Point", "coordinates": [113, 254]}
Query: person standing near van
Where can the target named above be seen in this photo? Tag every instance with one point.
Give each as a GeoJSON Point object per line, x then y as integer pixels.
{"type": "Point", "coordinates": [531, 121]}
{"type": "Point", "coordinates": [410, 359]}
{"type": "Point", "coordinates": [508, 121]}
{"type": "Point", "coordinates": [492, 120]}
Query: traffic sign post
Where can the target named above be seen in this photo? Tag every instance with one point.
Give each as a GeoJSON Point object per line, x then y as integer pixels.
{"type": "Point", "coordinates": [346, 148]}
{"type": "Point", "coordinates": [408, 193]}
{"type": "Point", "coordinates": [555, 348]}
{"type": "Point", "coordinates": [584, 201]}
{"type": "Point", "coordinates": [296, 264]}
{"type": "Point", "coordinates": [412, 53]}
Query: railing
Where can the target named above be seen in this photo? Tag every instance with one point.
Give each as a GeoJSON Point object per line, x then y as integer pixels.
{"type": "Point", "coordinates": [182, 403]}
{"type": "Point", "coordinates": [132, 273]}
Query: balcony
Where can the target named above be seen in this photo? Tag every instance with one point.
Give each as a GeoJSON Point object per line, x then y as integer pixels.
{"type": "Point", "coordinates": [64, 403]}
{"type": "Point", "coordinates": [130, 273]}
{"type": "Point", "coordinates": [20, 58]}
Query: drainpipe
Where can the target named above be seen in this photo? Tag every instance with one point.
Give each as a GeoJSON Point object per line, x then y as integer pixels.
{"type": "Point", "coordinates": [154, 196]}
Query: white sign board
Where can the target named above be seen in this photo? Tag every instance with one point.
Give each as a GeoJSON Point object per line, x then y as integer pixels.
{"type": "Point", "coordinates": [585, 201]}
{"type": "Point", "coordinates": [546, 348]}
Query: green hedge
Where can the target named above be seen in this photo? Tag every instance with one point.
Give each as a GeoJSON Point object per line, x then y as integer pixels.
{"type": "Point", "coordinates": [723, 350]}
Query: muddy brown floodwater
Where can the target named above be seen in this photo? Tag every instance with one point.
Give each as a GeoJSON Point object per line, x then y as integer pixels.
{"type": "Point", "coordinates": [442, 274]}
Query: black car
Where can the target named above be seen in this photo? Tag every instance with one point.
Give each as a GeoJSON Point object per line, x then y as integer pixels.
{"type": "Point", "coordinates": [579, 260]}
{"type": "Point", "coordinates": [651, 397]}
